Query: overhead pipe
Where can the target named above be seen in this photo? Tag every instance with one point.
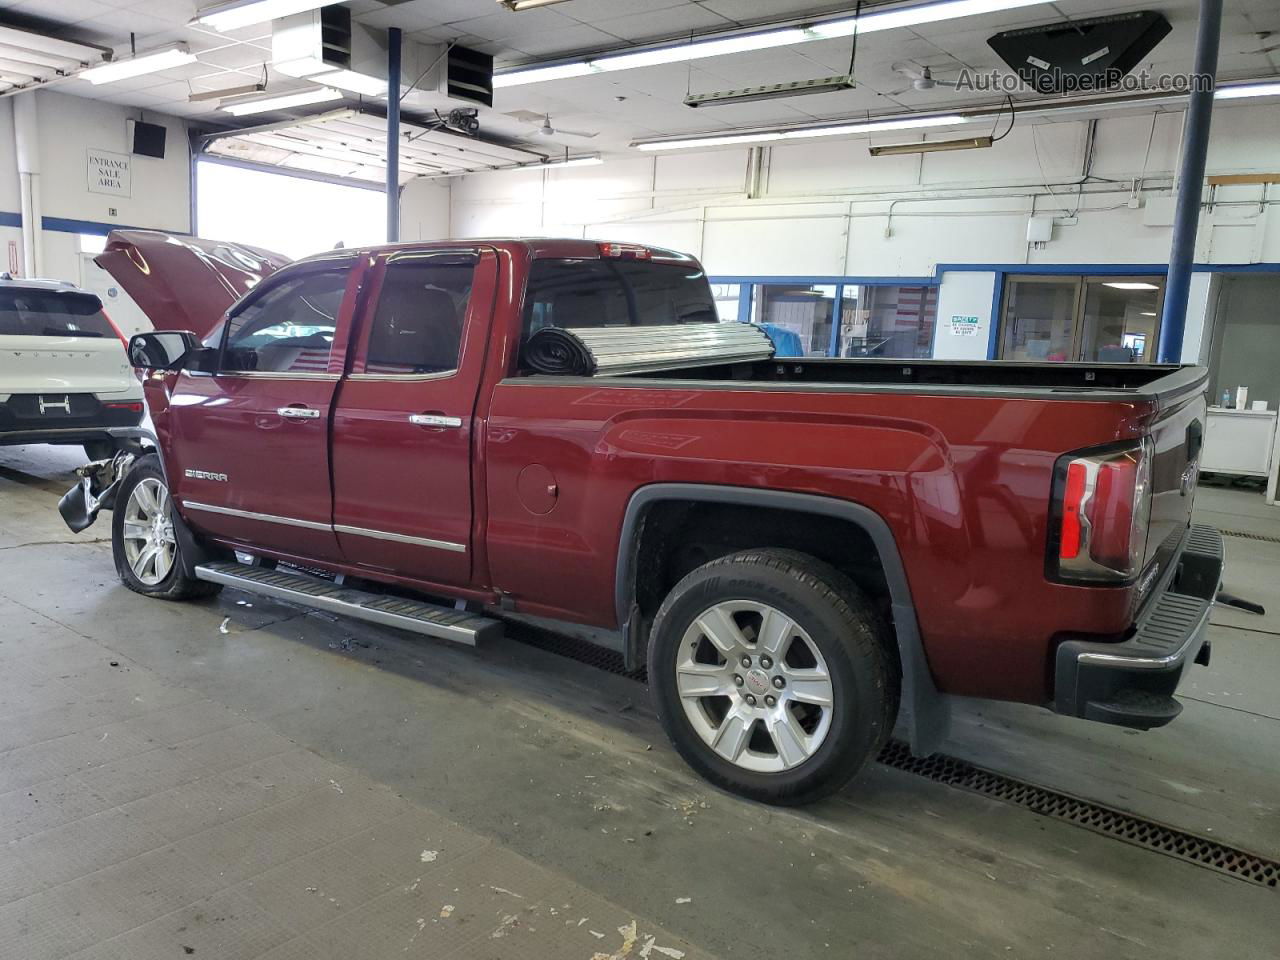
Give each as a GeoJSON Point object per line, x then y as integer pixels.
{"type": "Point", "coordinates": [393, 134]}
{"type": "Point", "coordinates": [1195, 148]}
{"type": "Point", "coordinates": [26, 137]}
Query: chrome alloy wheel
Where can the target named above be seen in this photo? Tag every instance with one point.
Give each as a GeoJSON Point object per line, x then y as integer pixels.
{"type": "Point", "coordinates": [754, 686]}
{"type": "Point", "coordinates": [149, 544]}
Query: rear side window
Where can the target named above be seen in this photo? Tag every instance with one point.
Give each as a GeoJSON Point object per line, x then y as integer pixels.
{"type": "Point", "coordinates": [290, 327]}
{"type": "Point", "coordinates": [615, 293]}
{"type": "Point", "coordinates": [52, 313]}
{"type": "Point", "coordinates": [417, 326]}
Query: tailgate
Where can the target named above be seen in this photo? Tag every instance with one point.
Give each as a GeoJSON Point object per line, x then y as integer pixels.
{"type": "Point", "coordinates": [1177, 435]}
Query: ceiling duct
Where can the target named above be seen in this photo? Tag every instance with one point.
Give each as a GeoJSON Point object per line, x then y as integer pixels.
{"type": "Point", "coordinates": [1080, 55]}
{"type": "Point", "coordinates": [327, 47]}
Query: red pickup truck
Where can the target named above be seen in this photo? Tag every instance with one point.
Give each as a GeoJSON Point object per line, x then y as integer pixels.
{"type": "Point", "coordinates": [801, 552]}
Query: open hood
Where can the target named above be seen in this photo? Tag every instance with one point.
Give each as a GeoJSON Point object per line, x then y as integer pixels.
{"type": "Point", "coordinates": [181, 282]}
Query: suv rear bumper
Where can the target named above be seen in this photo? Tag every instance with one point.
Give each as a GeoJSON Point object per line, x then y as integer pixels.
{"type": "Point", "coordinates": [88, 417]}
{"type": "Point", "coordinates": [1131, 683]}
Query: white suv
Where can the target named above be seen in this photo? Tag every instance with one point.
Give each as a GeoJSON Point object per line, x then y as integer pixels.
{"type": "Point", "coordinates": [64, 374]}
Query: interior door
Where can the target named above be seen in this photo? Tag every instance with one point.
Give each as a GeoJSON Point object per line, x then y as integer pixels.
{"type": "Point", "coordinates": [403, 428]}
{"type": "Point", "coordinates": [249, 445]}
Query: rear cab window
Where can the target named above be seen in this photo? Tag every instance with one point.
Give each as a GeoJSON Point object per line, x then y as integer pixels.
{"type": "Point", "coordinates": [417, 327]}
{"type": "Point", "coordinates": [52, 313]}
{"type": "Point", "coordinates": [572, 293]}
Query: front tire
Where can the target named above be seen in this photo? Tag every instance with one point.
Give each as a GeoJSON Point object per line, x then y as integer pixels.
{"type": "Point", "coordinates": [772, 675]}
{"type": "Point", "coordinates": [143, 542]}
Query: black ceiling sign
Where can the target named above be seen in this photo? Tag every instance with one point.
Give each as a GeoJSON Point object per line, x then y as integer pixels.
{"type": "Point", "coordinates": [1092, 54]}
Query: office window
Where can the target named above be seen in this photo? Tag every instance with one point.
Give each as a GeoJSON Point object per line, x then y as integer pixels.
{"type": "Point", "coordinates": [1086, 319]}
{"type": "Point", "coordinates": [887, 321]}
{"type": "Point", "coordinates": [796, 315]}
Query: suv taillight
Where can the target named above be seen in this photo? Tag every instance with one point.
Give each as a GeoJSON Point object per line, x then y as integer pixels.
{"type": "Point", "coordinates": [1102, 508]}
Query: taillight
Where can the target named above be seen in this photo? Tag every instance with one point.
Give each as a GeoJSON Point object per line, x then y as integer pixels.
{"type": "Point", "coordinates": [1102, 510]}
{"type": "Point", "coordinates": [133, 406]}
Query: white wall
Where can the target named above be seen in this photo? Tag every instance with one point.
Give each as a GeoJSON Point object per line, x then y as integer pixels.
{"type": "Point", "coordinates": [963, 295]}
{"type": "Point", "coordinates": [69, 127]}
{"type": "Point", "coordinates": [829, 208]}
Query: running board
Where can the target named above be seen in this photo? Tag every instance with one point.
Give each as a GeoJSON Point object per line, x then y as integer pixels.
{"type": "Point", "coordinates": [412, 615]}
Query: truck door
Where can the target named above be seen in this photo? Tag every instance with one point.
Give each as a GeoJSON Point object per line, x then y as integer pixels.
{"type": "Point", "coordinates": [402, 428]}
{"type": "Point", "coordinates": [248, 445]}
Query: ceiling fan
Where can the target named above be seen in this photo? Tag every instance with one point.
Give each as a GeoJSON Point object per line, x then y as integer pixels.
{"type": "Point", "coordinates": [545, 127]}
{"type": "Point", "coordinates": [921, 77]}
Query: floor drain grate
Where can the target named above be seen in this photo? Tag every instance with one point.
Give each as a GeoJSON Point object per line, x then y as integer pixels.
{"type": "Point", "coordinates": [1083, 813]}
{"type": "Point", "coordinates": [955, 772]}
{"type": "Point", "coordinates": [1243, 535]}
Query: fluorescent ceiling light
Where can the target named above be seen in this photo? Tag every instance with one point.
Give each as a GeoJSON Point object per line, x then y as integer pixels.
{"type": "Point", "coordinates": [772, 91]}
{"type": "Point", "coordinates": [912, 16]}
{"type": "Point", "coordinates": [804, 133]}
{"type": "Point", "coordinates": [137, 66]}
{"type": "Point", "coordinates": [226, 93]}
{"type": "Point", "coordinates": [1247, 90]}
{"type": "Point", "coordinates": [355, 82]}
{"type": "Point", "coordinates": [1129, 285]}
{"type": "Point", "coordinates": [931, 146]}
{"type": "Point", "coordinates": [579, 162]}
{"type": "Point", "coordinates": [300, 99]}
{"type": "Point", "coordinates": [764, 40]}
{"type": "Point", "coordinates": [244, 13]}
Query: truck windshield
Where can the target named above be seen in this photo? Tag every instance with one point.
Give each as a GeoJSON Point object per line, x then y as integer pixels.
{"type": "Point", "coordinates": [50, 313]}
{"type": "Point", "coordinates": [615, 293]}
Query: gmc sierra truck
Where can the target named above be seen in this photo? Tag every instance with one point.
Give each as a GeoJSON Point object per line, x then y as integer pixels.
{"type": "Point", "coordinates": [802, 552]}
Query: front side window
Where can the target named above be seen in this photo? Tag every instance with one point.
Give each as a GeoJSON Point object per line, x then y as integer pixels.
{"type": "Point", "coordinates": [417, 327]}
{"type": "Point", "coordinates": [289, 328]}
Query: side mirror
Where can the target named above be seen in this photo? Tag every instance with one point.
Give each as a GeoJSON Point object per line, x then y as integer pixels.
{"type": "Point", "coordinates": [168, 350]}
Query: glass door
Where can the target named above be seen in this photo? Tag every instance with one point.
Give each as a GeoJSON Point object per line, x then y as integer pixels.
{"type": "Point", "coordinates": [1040, 319]}
{"type": "Point", "coordinates": [1120, 319]}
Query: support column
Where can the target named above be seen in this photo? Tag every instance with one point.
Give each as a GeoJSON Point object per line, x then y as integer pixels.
{"type": "Point", "coordinates": [26, 136]}
{"type": "Point", "coordinates": [393, 134]}
{"type": "Point", "coordinates": [1195, 147]}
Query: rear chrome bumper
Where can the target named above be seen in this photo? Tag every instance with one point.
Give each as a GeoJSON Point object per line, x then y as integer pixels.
{"type": "Point", "coordinates": [1131, 683]}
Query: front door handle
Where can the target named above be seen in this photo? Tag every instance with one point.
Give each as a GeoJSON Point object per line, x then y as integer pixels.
{"type": "Point", "coordinates": [434, 420]}
{"type": "Point", "coordinates": [298, 413]}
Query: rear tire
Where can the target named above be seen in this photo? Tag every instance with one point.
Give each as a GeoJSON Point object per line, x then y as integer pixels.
{"type": "Point", "coordinates": [773, 675]}
{"type": "Point", "coordinates": [143, 542]}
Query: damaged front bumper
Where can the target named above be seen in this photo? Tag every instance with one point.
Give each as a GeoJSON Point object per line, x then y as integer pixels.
{"type": "Point", "coordinates": [96, 490]}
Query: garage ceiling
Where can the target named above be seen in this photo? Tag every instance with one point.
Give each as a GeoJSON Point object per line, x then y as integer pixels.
{"type": "Point", "coordinates": [634, 104]}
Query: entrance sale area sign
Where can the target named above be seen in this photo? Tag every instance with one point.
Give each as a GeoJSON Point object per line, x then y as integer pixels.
{"type": "Point", "coordinates": [110, 173]}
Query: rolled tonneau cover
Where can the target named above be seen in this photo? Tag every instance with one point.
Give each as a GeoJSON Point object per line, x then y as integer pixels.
{"type": "Point", "coordinates": [616, 351]}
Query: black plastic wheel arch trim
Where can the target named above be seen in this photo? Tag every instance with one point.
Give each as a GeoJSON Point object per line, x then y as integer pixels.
{"type": "Point", "coordinates": [925, 712]}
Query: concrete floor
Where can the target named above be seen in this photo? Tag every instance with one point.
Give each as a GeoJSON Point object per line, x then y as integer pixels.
{"type": "Point", "coordinates": [241, 779]}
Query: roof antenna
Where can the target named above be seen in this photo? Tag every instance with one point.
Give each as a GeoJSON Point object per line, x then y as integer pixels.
{"type": "Point", "coordinates": [133, 44]}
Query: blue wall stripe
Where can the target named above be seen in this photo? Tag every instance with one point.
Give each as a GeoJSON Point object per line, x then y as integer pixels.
{"type": "Point", "coordinates": [8, 219]}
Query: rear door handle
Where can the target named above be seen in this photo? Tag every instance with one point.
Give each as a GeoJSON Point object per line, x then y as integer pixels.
{"type": "Point", "coordinates": [434, 420]}
{"type": "Point", "coordinates": [298, 413]}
